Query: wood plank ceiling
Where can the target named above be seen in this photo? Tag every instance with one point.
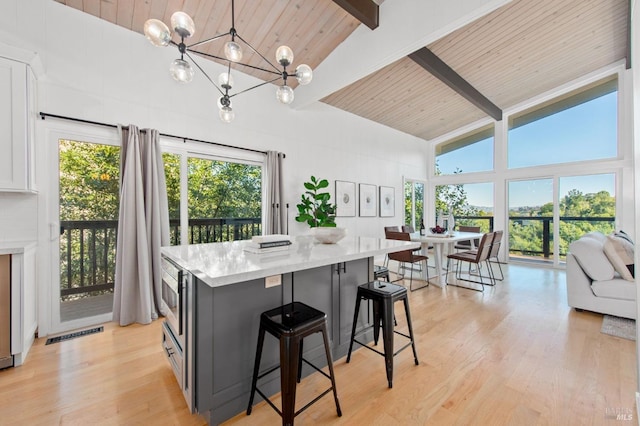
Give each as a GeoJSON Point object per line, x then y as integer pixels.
{"type": "Point", "coordinates": [510, 55]}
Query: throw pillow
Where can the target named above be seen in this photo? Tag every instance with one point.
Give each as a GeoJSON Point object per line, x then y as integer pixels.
{"type": "Point", "coordinates": [590, 256]}
{"type": "Point", "coordinates": [624, 235]}
{"type": "Point", "coordinates": [620, 253]}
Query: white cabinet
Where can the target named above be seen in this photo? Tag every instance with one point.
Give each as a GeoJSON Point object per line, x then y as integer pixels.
{"type": "Point", "coordinates": [17, 124]}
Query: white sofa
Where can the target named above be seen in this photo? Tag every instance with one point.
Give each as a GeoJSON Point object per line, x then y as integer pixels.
{"type": "Point", "coordinates": [598, 279]}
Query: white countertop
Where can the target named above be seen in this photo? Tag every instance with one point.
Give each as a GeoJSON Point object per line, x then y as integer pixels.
{"type": "Point", "coordinates": [219, 264]}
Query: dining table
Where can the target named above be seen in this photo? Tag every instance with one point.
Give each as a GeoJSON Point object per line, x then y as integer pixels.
{"type": "Point", "coordinates": [439, 241]}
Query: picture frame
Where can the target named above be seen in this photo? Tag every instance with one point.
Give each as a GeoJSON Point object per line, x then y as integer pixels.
{"type": "Point", "coordinates": [387, 201]}
{"type": "Point", "coordinates": [368, 207]}
{"type": "Point", "coordinates": [345, 198]}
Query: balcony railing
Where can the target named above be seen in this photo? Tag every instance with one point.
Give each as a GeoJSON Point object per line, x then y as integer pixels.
{"type": "Point", "coordinates": [88, 248]}
{"type": "Point", "coordinates": [538, 232]}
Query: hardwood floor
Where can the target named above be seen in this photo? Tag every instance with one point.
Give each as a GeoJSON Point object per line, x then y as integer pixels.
{"type": "Point", "coordinates": [515, 355]}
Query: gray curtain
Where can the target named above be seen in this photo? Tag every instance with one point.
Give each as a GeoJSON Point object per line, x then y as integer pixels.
{"type": "Point", "coordinates": [143, 227]}
{"type": "Point", "coordinates": [275, 211]}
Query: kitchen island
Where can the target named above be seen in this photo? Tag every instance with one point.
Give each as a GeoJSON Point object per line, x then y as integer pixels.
{"type": "Point", "coordinates": [228, 288]}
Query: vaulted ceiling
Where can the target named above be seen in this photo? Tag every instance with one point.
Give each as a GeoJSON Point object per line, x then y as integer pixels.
{"type": "Point", "coordinates": [508, 55]}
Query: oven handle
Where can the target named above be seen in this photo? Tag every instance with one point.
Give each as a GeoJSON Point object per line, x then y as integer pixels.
{"type": "Point", "coordinates": [180, 306]}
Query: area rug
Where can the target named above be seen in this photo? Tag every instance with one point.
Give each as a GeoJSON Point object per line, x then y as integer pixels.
{"type": "Point", "coordinates": [619, 327]}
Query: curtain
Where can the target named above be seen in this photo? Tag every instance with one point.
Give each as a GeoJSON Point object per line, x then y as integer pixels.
{"type": "Point", "coordinates": [143, 227]}
{"type": "Point", "coordinates": [275, 212]}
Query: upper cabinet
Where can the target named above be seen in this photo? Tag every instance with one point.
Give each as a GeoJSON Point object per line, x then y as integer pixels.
{"type": "Point", "coordinates": [17, 126]}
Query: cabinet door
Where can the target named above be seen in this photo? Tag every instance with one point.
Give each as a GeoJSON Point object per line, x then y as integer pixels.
{"type": "Point", "coordinates": [13, 126]}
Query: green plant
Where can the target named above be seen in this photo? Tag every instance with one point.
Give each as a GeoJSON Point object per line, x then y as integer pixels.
{"type": "Point", "coordinates": [315, 208]}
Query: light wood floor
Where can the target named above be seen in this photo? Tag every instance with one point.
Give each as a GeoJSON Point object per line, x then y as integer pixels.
{"type": "Point", "coordinates": [515, 355]}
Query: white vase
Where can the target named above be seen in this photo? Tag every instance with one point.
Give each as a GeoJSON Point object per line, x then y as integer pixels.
{"type": "Point", "coordinates": [451, 223]}
{"type": "Point", "coordinates": [326, 235]}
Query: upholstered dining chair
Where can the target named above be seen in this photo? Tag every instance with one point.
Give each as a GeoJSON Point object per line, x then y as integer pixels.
{"type": "Point", "coordinates": [407, 256]}
{"type": "Point", "coordinates": [408, 228]}
{"type": "Point", "coordinates": [466, 244]}
{"type": "Point", "coordinates": [478, 256]}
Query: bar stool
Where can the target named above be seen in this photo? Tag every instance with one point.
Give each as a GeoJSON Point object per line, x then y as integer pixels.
{"type": "Point", "coordinates": [290, 324]}
{"type": "Point", "coordinates": [380, 272]}
{"type": "Point", "coordinates": [383, 295]}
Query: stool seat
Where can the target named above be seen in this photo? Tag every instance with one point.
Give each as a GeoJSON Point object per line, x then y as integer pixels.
{"type": "Point", "coordinates": [290, 324]}
{"type": "Point", "coordinates": [383, 296]}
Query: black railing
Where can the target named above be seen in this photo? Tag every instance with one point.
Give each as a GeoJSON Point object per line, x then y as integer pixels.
{"type": "Point", "coordinates": [88, 248]}
{"type": "Point", "coordinates": [541, 234]}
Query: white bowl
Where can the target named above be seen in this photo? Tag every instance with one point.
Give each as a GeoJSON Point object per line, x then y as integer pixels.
{"type": "Point", "coordinates": [327, 235]}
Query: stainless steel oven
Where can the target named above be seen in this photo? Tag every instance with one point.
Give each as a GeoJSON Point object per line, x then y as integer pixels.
{"type": "Point", "coordinates": [176, 339]}
{"type": "Point", "coordinates": [172, 297]}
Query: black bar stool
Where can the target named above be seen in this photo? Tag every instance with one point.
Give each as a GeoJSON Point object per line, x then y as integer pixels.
{"type": "Point", "coordinates": [290, 324]}
{"type": "Point", "coordinates": [383, 295]}
{"type": "Point", "coordinates": [380, 272]}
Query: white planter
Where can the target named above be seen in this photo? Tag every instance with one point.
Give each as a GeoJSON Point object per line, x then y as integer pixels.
{"type": "Point", "coordinates": [327, 235]}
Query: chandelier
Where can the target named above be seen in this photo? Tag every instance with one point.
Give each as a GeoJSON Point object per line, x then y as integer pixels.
{"type": "Point", "coordinates": [159, 35]}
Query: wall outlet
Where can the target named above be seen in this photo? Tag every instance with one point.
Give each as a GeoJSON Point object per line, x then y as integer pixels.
{"type": "Point", "coordinates": [273, 281]}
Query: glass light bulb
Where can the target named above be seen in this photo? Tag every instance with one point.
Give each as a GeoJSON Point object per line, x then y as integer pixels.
{"type": "Point", "coordinates": [284, 94]}
{"type": "Point", "coordinates": [183, 24]}
{"type": "Point", "coordinates": [226, 114]}
{"type": "Point", "coordinates": [284, 56]}
{"type": "Point", "coordinates": [157, 32]}
{"type": "Point", "coordinates": [304, 74]}
{"type": "Point", "coordinates": [225, 80]}
{"type": "Point", "coordinates": [233, 51]}
{"type": "Point", "coordinates": [181, 71]}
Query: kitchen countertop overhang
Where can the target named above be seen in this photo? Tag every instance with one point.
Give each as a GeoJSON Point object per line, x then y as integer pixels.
{"type": "Point", "coordinates": [219, 264]}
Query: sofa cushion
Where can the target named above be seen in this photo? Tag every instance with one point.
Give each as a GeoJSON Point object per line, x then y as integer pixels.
{"type": "Point", "coordinates": [599, 236]}
{"type": "Point", "coordinates": [619, 251]}
{"type": "Point", "coordinates": [591, 258]}
{"type": "Point", "coordinates": [614, 289]}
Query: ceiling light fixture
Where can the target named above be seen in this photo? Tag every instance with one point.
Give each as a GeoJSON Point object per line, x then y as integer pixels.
{"type": "Point", "coordinates": [159, 35]}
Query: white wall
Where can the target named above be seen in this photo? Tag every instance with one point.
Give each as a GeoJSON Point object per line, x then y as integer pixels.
{"type": "Point", "coordinates": [97, 71]}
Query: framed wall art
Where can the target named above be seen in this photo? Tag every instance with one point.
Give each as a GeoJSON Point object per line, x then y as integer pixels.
{"type": "Point", "coordinates": [367, 200]}
{"type": "Point", "coordinates": [387, 201]}
{"type": "Point", "coordinates": [345, 198]}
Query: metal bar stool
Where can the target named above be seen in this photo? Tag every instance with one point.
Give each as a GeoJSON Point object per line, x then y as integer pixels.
{"type": "Point", "coordinates": [290, 324]}
{"type": "Point", "coordinates": [383, 295]}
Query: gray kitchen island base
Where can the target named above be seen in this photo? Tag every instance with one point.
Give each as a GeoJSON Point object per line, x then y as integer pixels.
{"type": "Point", "coordinates": [226, 326]}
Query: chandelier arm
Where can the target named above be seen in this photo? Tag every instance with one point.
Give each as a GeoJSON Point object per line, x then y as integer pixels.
{"type": "Point", "coordinates": [254, 87]}
{"type": "Point", "coordinates": [259, 54]}
{"type": "Point", "coordinates": [208, 40]}
{"type": "Point", "coordinates": [208, 55]}
{"type": "Point", "coordinates": [205, 74]}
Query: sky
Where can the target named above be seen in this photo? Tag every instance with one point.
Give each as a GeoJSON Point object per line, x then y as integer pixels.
{"type": "Point", "coordinates": [583, 132]}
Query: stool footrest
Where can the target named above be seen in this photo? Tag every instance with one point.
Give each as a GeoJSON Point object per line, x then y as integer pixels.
{"type": "Point", "coordinates": [364, 345]}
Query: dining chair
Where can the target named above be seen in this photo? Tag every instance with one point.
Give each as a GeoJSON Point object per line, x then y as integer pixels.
{"type": "Point", "coordinates": [408, 228]}
{"type": "Point", "coordinates": [407, 256]}
{"type": "Point", "coordinates": [478, 257]}
{"type": "Point", "coordinates": [466, 244]}
{"type": "Point", "coordinates": [493, 256]}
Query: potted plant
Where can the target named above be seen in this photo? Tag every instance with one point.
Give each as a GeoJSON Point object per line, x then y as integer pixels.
{"type": "Point", "coordinates": [318, 212]}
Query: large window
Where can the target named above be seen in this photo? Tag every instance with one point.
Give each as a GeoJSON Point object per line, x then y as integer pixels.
{"type": "Point", "coordinates": [579, 126]}
{"type": "Point", "coordinates": [472, 152]}
{"type": "Point", "coordinates": [531, 219]}
{"type": "Point", "coordinates": [471, 204]}
{"type": "Point", "coordinates": [89, 200]}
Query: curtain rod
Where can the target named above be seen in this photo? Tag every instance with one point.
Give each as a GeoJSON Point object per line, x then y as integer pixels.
{"type": "Point", "coordinates": [43, 115]}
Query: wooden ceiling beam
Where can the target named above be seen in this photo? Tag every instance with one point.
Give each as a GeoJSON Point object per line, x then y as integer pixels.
{"type": "Point", "coordinates": [436, 66]}
{"type": "Point", "coordinates": [365, 11]}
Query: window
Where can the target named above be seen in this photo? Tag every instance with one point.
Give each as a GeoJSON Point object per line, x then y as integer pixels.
{"type": "Point", "coordinates": [472, 152]}
{"type": "Point", "coordinates": [89, 199]}
{"type": "Point", "coordinates": [413, 203]}
{"type": "Point", "coordinates": [472, 204]}
{"type": "Point", "coordinates": [531, 219]}
{"type": "Point", "coordinates": [587, 203]}
{"type": "Point", "coordinates": [225, 200]}
{"type": "Point", "coordinates": [579, 126]}
{"type": "Point", "coordinates": [172, 177]}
